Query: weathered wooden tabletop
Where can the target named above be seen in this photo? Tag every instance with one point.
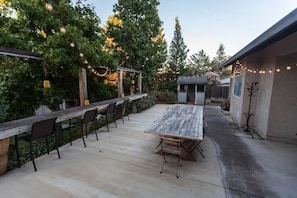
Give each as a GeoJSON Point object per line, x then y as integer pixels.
{"type": "Point", "coordinates": [15, 127]}
{"type": "Point", "coordinates": [181, 121]}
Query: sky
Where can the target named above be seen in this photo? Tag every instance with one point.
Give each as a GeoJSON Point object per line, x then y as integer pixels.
{"type": "Point", "coordinates": [207, 23]}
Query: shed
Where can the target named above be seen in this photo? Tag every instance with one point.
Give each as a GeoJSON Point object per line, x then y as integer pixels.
{"type": "Point", "coordinates": [191, 89]}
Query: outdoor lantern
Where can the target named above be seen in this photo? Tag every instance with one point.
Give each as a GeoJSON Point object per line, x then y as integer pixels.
{"type": "Point", "coordinates": [87, 102]}
{"type": "Point", "coordinates": [46, 84]}
{"type": "Point", "coordinates": [132, 82]}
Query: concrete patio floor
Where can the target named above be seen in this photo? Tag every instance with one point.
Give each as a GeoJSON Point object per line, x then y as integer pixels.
{"type": "Point", "coordinates": [123, 163]}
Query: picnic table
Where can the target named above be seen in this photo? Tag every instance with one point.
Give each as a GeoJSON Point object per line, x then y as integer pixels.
{"type": "Point", "coordinates": [180, 121]}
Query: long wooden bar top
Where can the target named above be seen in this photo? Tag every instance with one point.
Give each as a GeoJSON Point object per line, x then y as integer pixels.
{"type": "Point", "coordinates": [15, 127]}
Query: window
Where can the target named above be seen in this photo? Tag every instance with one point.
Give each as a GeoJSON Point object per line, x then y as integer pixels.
{"type": "Point", "coordinates": [182, 88]}
{"type": "Point", "coordinates": [237, 86]}
{"type": "Point", "coordinates": [200, 88]}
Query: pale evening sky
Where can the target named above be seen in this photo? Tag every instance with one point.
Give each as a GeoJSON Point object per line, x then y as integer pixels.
{"type": "Point", "coordinates": [207, 23]}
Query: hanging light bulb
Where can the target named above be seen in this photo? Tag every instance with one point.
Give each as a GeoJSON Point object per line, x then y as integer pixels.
{"type": "Point", "coordinates": [62, 29]}
{"type": "Point", "coordinates": [72, 44]}
{"type": "Point", "coordinates": [270, 71]}
{"type": "Point", "coordinates": [81, 55]}
{"type": "Point", "coordinates": [86, 62]}
{"type": "Point", "coordinates": [278, 70]}
{"type": "Point", "coordinates": [288, 67]}
{"type": "Point", "coordinates": [49, 7]}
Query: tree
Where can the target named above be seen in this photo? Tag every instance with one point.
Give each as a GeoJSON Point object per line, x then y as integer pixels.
{"type": "Point", "coordinates": [220, 57]}
{"type": "Point", "coordinates": [137, 36]}
{"type": "Point", "coordinates": [176, 60]}
{"type": "Point", "coordinates": [177, 52]}
{"type": "Point", "coordinates": [199, 64]}
{"type": "Point", "coordinates": [68, 37]}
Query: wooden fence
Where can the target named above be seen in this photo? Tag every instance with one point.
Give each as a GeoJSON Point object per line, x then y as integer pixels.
{"type": "Point", "coordinates": [215, 91]}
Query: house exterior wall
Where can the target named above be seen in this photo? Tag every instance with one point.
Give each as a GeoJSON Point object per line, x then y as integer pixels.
{"type": "Point", "coordinates": [235, 104]}
{"type": "Point", "coordinates": [282, 123]}
{"type": "Point", "coordinates": [274, 104]}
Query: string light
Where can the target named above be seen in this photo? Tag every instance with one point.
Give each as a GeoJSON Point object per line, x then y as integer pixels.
{"type": "Point", "coordinates": [238, 71]}
{"type": "Point", "coordinates": [49, 7]}
{"type": "Point", "coordinates": [62, 29]}
{"type": "Point", "coordinates": [72, 45]}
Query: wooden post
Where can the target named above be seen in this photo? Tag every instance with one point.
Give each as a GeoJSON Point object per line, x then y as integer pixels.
{"type": "Point", "coordinates": [83, 88]}
{"type": "Point", "coordinates": [120, 84]}
{"type": "Point", "coordinates": [140, 82]}
{"type": "Point", "coordinates": [4, 145]}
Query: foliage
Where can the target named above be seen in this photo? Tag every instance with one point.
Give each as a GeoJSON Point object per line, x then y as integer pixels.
{"type": "Point", "coordinates": [145, 103]}
{"type": "Point", "coordinates": [164, 97]}
{"type": "Point", "coordinates": [199, 64]}
{"type": "Point", "coordinates": [176, 61]}
{"type": "Point", "coordinates": [136, 37]}
{"type": "Point", "coordinates": [67, 37]}
{"type": "Point", "coordinates": [178, 51]}
{"type": "Point", "coordinates": [213, 78]}
{"type": "Point", "coordinates": [220, 57]}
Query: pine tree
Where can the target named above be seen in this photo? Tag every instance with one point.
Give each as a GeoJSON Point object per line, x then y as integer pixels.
{"type": "Point", "coordinates": [199, 64]}
{"type": "Point", "coordinates": [220, 57]}
{"type": "Point", "coordinates": [177, 52]}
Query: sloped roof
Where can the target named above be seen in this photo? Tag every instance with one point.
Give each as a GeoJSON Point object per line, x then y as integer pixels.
{"type": "Point", "coordinates": [19, 53]}
{"type": "Point", "coordinates": [189, 80]}
{"type": "Point", "coordinates": [280, 30]}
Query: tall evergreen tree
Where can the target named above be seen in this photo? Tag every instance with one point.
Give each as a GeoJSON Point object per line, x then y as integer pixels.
{"type": "Point", "coordinates": [137, 36]}
{"type": "Point", "coordinates": [177, 52]}
{"type": "Point", "coordinates": [199, 64]}
{"type": "Point", "coordinates": [220, 57]}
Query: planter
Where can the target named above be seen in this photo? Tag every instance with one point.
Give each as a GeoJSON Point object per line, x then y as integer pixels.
{"type": "Point", "coordinates": [4, 145]}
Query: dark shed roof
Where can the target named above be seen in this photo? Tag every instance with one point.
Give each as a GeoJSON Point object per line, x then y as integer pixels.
{"type": "Point", "coordinates": [19, 53]}
{"type": "Point", "coordinates": [189, 80]}
{"type": "Point", "coordinates": [280, 30]}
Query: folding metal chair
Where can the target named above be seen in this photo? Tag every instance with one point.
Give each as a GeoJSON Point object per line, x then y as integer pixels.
{"type": "Point", "coordinates": [170, 146]}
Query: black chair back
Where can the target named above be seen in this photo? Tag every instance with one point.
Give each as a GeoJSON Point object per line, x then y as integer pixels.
{"type": "Point", "coordinates": [43, 128]}
{"type": "Point", "coordinates": [111, 108]}
{"type": "Point", "coordinates": [125, 104]}
{"type": "Point", "coordinates": [89, 116]}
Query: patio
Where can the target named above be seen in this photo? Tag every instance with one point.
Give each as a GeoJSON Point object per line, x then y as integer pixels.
{"type": "Point", "coordinates": [122, 163]}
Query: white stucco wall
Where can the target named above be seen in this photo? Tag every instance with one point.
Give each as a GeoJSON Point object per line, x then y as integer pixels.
{"type": "Point", "coordinates": [275, 104]}
{"type": "Point", "coordinates": [263, 99]}
{"type": "Point", "coordinates": [282, 123]}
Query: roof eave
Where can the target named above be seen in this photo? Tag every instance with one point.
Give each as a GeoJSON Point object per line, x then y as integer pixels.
{"type": "Point", "coordinates": [283, 28]}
